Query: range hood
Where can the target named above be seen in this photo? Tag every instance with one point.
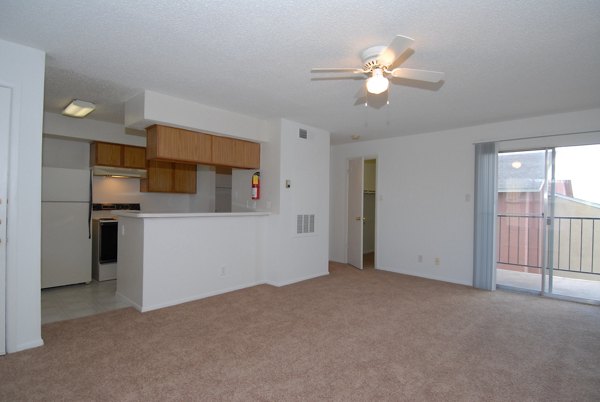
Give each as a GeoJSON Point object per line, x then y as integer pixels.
{"type": "Point", "coordinates": [119, 172]}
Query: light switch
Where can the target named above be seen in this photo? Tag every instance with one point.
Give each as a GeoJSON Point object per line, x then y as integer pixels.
{"type": "Point", "coordinates": [288, 183]}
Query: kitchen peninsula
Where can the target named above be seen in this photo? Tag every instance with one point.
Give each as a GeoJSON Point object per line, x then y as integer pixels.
{"type": "Point", "coordinates": [172, 258]}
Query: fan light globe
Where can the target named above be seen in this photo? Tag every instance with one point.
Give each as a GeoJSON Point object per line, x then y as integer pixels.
{"type": "Point", "coordinates": [377, 83]}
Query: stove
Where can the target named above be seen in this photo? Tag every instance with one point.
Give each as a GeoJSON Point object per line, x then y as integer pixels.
{"type": "Point", "coordinates": [104, 210]}
{"type": "Point", "coordinates": [105, 239]}
{"type": "Point", "coordinates": [112, 207]}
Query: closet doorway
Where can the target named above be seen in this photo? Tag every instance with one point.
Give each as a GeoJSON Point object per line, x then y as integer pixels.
{"type": "Point", "coordinates": [362, 193]}
{"type": "Point", "coordinates": [369, 204]}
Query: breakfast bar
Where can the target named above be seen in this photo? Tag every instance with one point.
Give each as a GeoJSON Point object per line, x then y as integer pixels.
{"type": "Point", "coordinates": [171, 258]}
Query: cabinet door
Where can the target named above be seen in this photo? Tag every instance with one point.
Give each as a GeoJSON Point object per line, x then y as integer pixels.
{"type": "Point", "coordinates": [193, 147]}
{"type": "Point", "coordinates": [104, 154]}
{"type": "Point", "coordinates": [223, 151]}
{"type": "Point", "coordinates": [174, 144]}
{"type": "Point", "coordinates": [236, 153]}
{"type": "Point", "coordinates": [134, 157]}
{"type": "Point", "coordinates": [159, 141]}
{"type": "Point", "coordinates": [160, 177]}
{"type": "Point", "coordinates": [250, 155]}
{"type": "Point", "coordinates": [184, 178]}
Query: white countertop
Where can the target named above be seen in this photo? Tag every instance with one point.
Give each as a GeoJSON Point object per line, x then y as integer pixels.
{"type": "Point", "coordinates": [130, 214]}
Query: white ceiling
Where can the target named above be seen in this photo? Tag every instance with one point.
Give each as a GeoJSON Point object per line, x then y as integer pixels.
{"type": "Point", "coordinates": [502, 59]}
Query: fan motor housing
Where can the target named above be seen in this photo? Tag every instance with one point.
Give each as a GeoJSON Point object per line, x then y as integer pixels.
{"type": "Point", "coordinates": [369, 56]}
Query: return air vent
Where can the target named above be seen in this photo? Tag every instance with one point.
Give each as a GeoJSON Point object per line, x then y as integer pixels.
{"type": "Point", "coordinates": [302, 133]}
{"type": "Point", "coordinates": [305, 224]}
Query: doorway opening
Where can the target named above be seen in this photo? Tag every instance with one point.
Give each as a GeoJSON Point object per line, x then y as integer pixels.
{"type": "Point", "coordinates": [369, 204]}
{"type": "Point", "coordinates": [362, 202]}
{"type": "Point", "coordinates": [548, 222]}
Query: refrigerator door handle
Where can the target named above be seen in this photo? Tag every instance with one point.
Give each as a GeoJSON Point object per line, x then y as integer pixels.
{"type": "Point", "coordinates": [90, 208]}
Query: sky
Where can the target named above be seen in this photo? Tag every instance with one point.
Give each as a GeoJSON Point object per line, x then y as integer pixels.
{"type": "Point", "coordinates": [581, 165]}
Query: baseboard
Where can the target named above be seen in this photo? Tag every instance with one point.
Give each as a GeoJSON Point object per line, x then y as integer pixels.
{"type": "Point", "coordinates": [129, 301]}
{"type": "Point", "coordinates": [144, 309]}
{"type": "Point", "coordinates": [432, 277]}
{"type": "Point", "coordinates": [296, 280]}
{"type": "Point", "coordinates": [28, 345]}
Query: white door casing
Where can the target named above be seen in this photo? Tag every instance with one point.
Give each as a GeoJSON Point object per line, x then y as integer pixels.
{"type": "Point", "coordinates": [5, 102]}
{"type": "Point", "coordinates": [355, 211]}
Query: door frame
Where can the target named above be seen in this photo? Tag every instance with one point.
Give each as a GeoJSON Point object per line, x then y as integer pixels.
{"type": "Point", "coordinates": [5, 110]}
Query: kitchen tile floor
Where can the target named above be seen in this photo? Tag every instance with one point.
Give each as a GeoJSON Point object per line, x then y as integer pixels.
{"type": "Point", "coordinates": [68, 302]}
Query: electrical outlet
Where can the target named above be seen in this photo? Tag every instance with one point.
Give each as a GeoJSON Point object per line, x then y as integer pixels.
{"type": "Point", "coordinates": [223, 270]}
{"type": "Point", "coordinates": [437, 260]}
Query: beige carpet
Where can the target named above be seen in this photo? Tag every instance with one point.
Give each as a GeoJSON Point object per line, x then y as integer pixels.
{"type": "Point", "coordinates": [353, 335]}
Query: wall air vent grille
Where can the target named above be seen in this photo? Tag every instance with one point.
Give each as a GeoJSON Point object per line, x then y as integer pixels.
{"type": "Point", "coordinates": [302, 133]}
{"type": "Point", "coordinates": [305, 224]}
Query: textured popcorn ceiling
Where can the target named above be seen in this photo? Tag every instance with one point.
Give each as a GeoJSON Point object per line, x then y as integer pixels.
{"type": "Point", "coordinates": [502, 59]}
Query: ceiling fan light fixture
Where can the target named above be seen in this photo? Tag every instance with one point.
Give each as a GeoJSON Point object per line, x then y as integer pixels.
{"type": "Point", "coordinates": [78, 108]}
{"type": "Point", "coordinates": [377, 83]}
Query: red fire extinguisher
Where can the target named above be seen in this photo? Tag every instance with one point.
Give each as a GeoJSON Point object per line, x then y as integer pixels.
{"type": "Point", "coordinates": [256, 186]}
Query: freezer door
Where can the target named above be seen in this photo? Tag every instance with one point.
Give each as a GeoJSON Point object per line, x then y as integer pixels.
{"type": "Point", "coordinates": [60, 184]}
{"type": "Point", "coordinates": [66, 248]}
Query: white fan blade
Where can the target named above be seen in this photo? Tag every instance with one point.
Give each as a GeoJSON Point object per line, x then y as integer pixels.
{"type": "Point", "coordinates": [336, 70]}
{"type": "Point", "coordinates": [420, 75]}
{"type": "Point", "coordinates": [394, 50]}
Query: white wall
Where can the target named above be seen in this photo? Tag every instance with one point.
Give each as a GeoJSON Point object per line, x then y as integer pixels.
{"type": "Point", "coordinates": [91, 130]}
{"type": "Point", "coordinates": [213, 254]}
{"type": "Point", "coordinates": [292, 257]}
{"type": "Point", "coordinates": [22, 70]}
{"type": "Point", "coordinates": [425, 190]}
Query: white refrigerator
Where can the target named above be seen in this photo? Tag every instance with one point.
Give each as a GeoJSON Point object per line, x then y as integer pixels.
{"type": "Point", "coordinates": [66, 236]}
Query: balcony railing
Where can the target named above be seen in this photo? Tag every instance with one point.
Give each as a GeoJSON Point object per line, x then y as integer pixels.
{"type": "Point", "coordinates": [575, 243]}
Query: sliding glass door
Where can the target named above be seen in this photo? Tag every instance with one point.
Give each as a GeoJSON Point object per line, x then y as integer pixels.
{"type": "Point", "coordinates": [522, 207]}
{"type": "Point", "coordinates": [574, 236]}
{"type": "Point", "coordinates": [548, 222]}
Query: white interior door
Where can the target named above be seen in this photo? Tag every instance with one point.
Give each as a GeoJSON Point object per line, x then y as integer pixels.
{"type": "Point", "coordinates": [355, 212]}
{"type": "Point", "coordinates": [5, 97]}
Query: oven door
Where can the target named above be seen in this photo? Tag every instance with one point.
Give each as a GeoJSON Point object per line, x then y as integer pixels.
{"type": "Point", "coordinates": [108, 241]}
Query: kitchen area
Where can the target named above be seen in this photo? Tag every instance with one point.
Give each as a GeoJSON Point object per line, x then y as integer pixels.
{"type": "Point", "coordinates": [87, 184]}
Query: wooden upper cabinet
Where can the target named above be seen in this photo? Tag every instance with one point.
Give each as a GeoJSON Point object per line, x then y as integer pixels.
{"type": "Point", "coordinates": [235, 153]}
{"type": "Point", "coordinates": [169, 177]}
{"type": "Point", "coordinates": [184, 178]}
{"type": "Point", "coordinates": [105, 154]}
{"type": "Point", "coordinates": [134, 157]}
{"type": "Point", "coordinates": [250, 154]}
{"type": "Point", "coordinates": [179, 145]}
{"type": "Point", "coordinates": [117, 155]}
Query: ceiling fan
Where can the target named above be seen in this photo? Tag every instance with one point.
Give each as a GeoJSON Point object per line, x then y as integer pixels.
{"type": "Point", "coordinates": [377, 61]}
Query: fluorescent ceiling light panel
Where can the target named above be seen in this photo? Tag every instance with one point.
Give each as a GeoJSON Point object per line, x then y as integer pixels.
{"type": "Point", "coordinates": [78, 108]}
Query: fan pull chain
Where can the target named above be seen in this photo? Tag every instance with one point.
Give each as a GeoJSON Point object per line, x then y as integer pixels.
{"type": "Point", "coordinates": [387, 112]}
